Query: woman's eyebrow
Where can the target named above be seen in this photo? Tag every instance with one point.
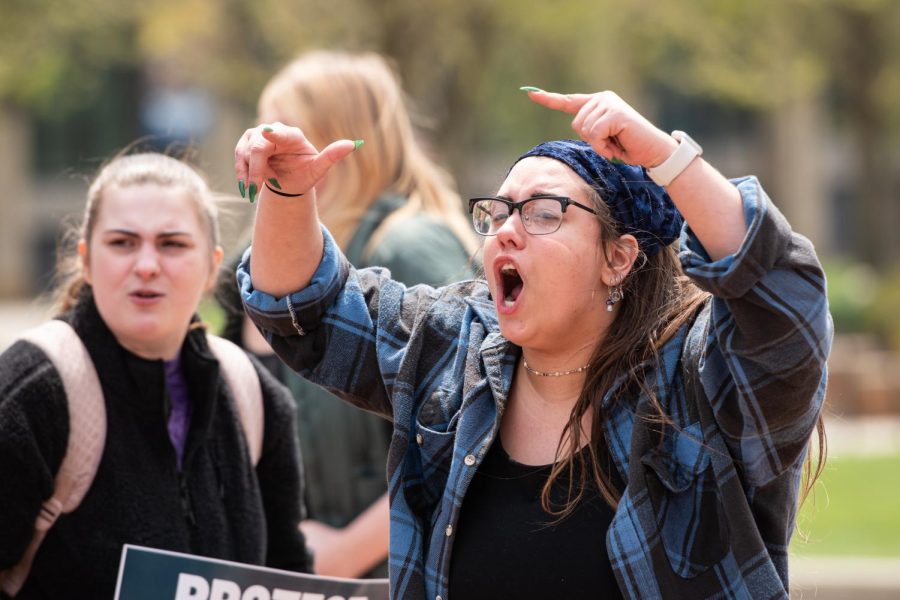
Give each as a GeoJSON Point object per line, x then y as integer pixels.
{"type": "Point", "coordinates": [131, 233]}
{"type": "Point", "coordinates": [534, 194]}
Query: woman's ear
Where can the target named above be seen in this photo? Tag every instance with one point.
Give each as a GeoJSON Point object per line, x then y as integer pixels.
{"type": "Point", "coordinates": [217, 256]}
{"type": "Point", "coordinates": [83, 259]}
{"type": "Point", "coordinates": [620, 256]}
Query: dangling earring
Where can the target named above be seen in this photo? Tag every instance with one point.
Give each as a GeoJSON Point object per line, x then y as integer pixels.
{"type": "Point", "coordinates": [615, 294]}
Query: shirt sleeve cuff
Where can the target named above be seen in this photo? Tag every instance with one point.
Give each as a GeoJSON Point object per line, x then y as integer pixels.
{"type": "Point", "coordinates": [308, 305]}
{"type": "Point", "coordinates": [768, 235]}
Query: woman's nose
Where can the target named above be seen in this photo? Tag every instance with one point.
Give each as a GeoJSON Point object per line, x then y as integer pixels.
{"type": "Point", "coordinates": [147, 264]}
{"type": "Point", "coordinates": [512, 231]}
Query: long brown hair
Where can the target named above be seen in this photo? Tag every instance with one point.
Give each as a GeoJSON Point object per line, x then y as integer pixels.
{"type": "Point", "coordinates": [335, 95]}
{"type": "Point", "coordinates": [658, 300]}
{"type": "Point", "coordinates": [122, 171]}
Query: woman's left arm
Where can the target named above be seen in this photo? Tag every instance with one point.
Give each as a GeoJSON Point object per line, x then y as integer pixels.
{"type": "Point", "coordinates": [766, 338]}
{"type": "Point", "coordinates": [768, 333]}
{"type": "Point", "coordinates": [708, 201]}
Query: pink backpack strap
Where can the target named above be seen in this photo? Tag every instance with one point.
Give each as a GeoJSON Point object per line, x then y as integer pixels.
{"type": "Point", "coordinates": [243, 381]}
{"type": "Point", "coordinates": [87, 436]}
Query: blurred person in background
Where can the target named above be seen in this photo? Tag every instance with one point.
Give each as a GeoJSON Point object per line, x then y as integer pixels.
{"type": "Point", "coordinates": [175, 472]}
{"type": "Point", "coordinates": [601, 417]}
{"type": "Point", "coordinates": [388, 205]}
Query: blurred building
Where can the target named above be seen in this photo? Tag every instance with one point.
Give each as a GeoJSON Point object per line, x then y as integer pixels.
{"type": "Point", "coordinates": [48, 163]}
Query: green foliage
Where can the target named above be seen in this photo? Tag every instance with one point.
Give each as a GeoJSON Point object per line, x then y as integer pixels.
{"type": "Point", "coordinates": [746, 53]}
{"type": "Point", "coordinates": [212, 314]}
{"type": "Point", "coordinates": [851, 291]}
{"type": "Point", "coordinates": [750, 53]}
{"type": "Point", "coordinates": [53, 54]}
{"type": "Point", "coordinates": [884, 317]}
{"type": "Point", "coordinates": [463, 61]}
{"type": "Point", "coordinates": [861, 300]}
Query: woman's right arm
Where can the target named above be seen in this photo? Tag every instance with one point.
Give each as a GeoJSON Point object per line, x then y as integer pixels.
{"type": "Point", "coordinates": [288, 264]}
{"type": "Point", "coordinates": [339, 327]}
{"type": "Point", "coordinates": [355, 332]}
{"type": "Point", "coordinates": [34, 430]}
{"type": "Point", "coordinates": [287, 241]}
{"type": "Point", "coordinates": [329, 331]}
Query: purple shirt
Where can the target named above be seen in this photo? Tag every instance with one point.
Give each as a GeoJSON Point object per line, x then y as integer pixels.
{"type": "Point", "coordinates": [179, 406]}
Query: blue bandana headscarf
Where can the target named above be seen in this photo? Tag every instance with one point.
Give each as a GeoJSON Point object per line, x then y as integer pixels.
{"type": "Point", "coordinates": [639, 206]}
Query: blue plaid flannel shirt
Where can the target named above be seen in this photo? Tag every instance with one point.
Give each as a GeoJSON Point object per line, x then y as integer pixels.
{"type": "Point", "coordinates": [709, 507]}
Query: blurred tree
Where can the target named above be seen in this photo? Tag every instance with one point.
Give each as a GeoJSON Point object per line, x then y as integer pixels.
{"type": "Point", "coordinates": [859, 40]}
{"type": "Point", "coordinates": [54, 56]}
{"type": "Point", "coordinates": [463, 61]}
{"type": "Point", "coordinates": [752, 54]}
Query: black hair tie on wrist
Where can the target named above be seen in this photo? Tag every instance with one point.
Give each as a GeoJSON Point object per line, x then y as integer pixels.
{"type": "Point", "coordinates": [285, 194]}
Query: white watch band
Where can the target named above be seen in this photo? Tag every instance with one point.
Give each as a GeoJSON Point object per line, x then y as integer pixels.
{"type": "Point", "coordinates": [678, 161]}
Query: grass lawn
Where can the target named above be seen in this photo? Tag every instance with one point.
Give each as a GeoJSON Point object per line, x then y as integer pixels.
{"type": "Point", "coordinates": [854, 509]}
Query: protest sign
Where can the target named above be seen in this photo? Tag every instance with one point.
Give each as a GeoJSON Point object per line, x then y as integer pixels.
{"type": "Point", "coordinates": [149, 574]}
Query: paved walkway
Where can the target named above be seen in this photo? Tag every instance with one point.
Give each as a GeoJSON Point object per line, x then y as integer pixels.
{"type": "Point", "coordinates": [868, 436]}
{"type": "Point", "coordinates": [15, 317]}
{"type": "Point", "coordinates": [845, 577]}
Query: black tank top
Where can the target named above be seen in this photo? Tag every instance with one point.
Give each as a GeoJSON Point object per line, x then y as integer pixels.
{"type": "Point", "coordinates": [507, 546]}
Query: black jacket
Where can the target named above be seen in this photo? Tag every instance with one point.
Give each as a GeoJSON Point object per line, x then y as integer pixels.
{"type": "Point", "coordinates": [216, 506]}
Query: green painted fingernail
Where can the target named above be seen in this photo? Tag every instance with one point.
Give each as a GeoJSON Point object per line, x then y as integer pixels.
{"type": "Point", "coordinates": [274, 183]}
{"type": "Point", "coordinates": [357, 144]}
{"type": "Point", "coordinates": [253, 190]}
{"type": "Point", "coordinates": [530, 88]}
{"type": "Point", "coordinates": [242, 188]}
{"type": "Point", "coordinates": [268, 129]}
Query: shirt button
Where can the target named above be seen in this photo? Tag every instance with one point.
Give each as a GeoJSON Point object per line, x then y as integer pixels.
{"type": "Point", "coordinates": [449, 530]}
{"type": "Point", "coordinates": [469, 460]}
{"type": "Point", "coordinates": [419, 439]}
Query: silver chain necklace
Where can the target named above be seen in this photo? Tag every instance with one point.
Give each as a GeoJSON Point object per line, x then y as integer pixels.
{"type": "Point", "coordinates": [554, 373]}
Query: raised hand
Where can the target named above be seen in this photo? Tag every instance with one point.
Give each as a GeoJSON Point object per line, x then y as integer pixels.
{"type": "Point", "coordinates": [283, 154]}
{"type": "Point", "coordinates": [611, 126]}
{"type": "Point", "coordinates": [287, 241]}
{"type": "Point", "coordinates": [708, 201]}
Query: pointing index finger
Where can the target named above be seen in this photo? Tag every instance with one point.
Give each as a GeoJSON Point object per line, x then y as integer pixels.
{"type": "Point", "coordinates": [567, 103]}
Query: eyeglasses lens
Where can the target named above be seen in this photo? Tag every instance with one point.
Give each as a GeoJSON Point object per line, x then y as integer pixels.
{"type": "Point", "coordinates": [539, 216]}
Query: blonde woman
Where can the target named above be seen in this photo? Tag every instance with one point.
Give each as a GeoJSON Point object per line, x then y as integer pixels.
{"type": "Point", "coordinates": [175, 473]}
{"type": "Point", "coordinates": [388, 205]}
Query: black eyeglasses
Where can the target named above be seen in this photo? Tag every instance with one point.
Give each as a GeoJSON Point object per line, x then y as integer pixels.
{"type": "Point", "coordinates": [540, 214]}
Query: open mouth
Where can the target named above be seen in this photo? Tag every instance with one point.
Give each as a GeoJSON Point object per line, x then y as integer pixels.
{"type": "Point", "coordinates": [146, 294]}
{"type": "Point", "coordinates": [510, 284]}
